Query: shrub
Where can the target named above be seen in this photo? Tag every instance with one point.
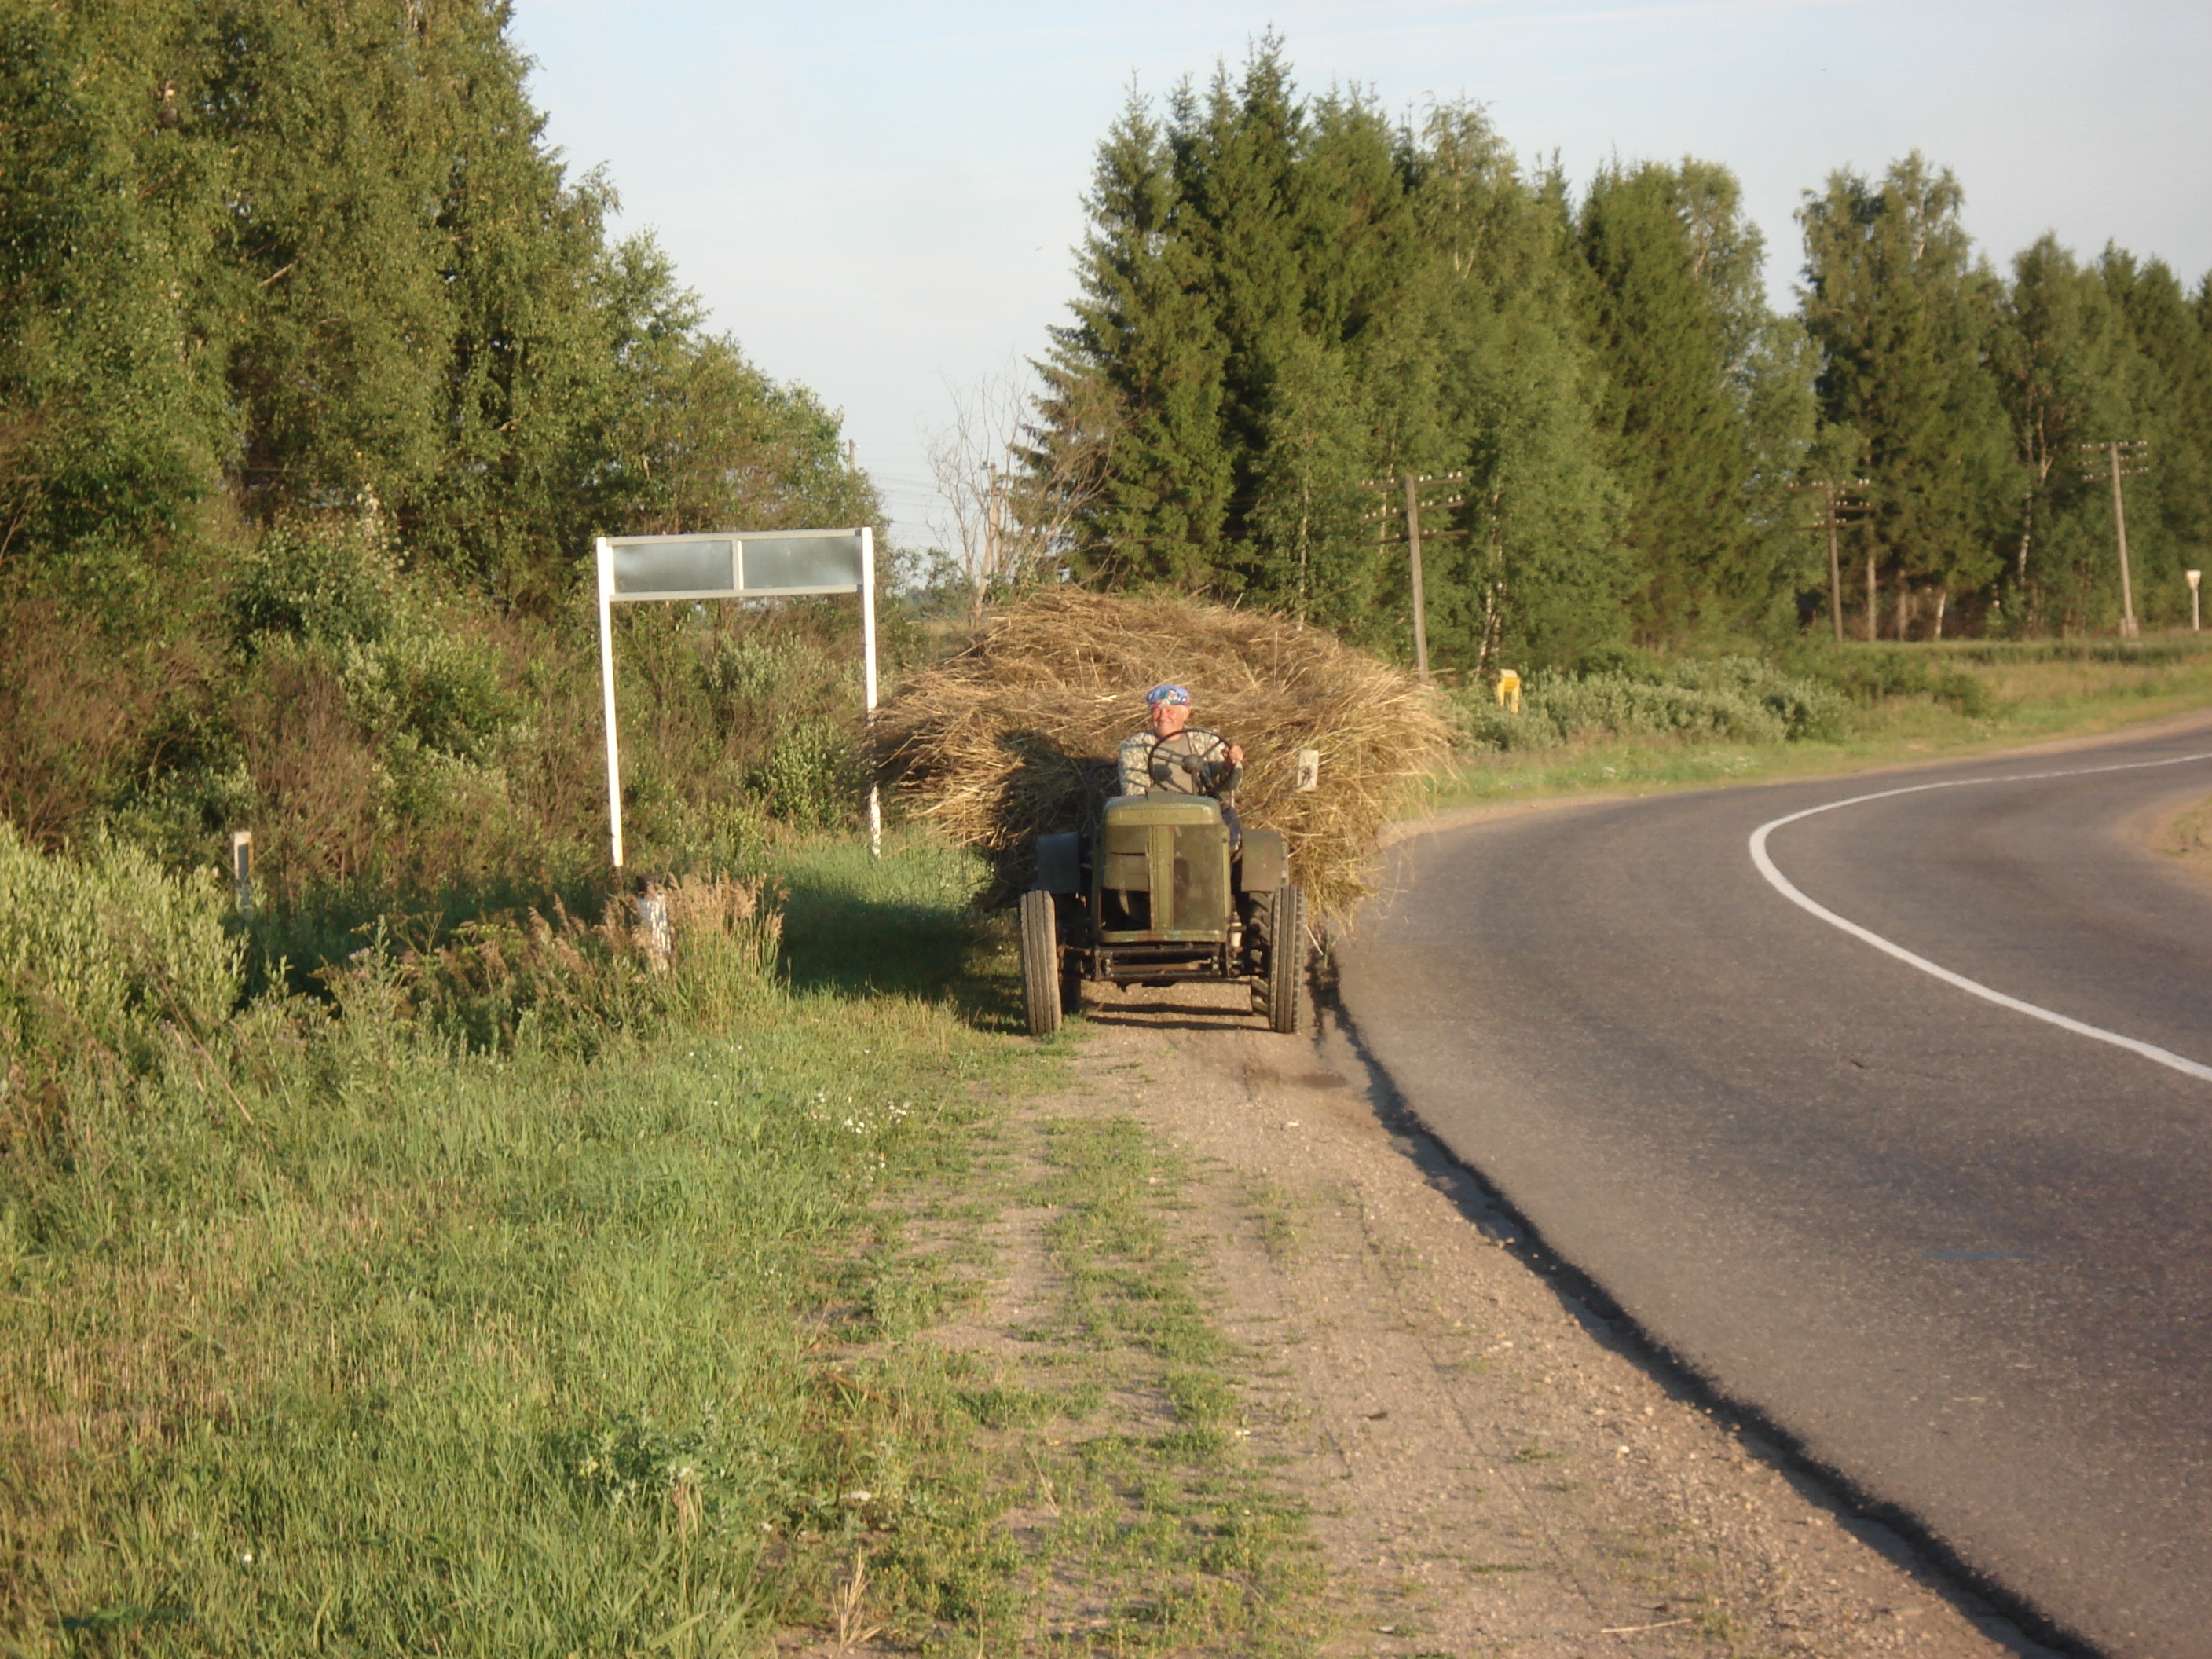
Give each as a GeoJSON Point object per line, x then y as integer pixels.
{"type": "Point", "coordinates": [1728, 699]}
{"type": "Point", "coordinates": [428, 685]}
{"type": "Point", "coordinates": [99, 952]}
{"type": "Point", "coordinates": [815, 775]}
{"type": "Point", "coordinates": [335, 582]}
{"type": "Point", "coordinates": [1870, 674]}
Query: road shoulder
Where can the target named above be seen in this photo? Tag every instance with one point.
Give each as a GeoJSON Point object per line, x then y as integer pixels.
{"type": "Point", "coordinates": [1486, 1463]}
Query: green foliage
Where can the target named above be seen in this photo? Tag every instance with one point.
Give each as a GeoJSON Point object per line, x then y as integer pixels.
{"type": "Point", "coordinates": [1731, 699]}
{"type": "Point", "coordinates": [102, 951]}
{"type": "Point", "coordinates": [307, 259]}
{"type": "Point", "coordinates": [1283, 300]}
{"type": "Point", "coordinates": [815, 777]}
{"type": "Point", "coordinates": [1870, 676]}
{"type": "Point", "coordinates": [1675, 306]}
{"type": "Point", "coordinates": [1901, 311]}
{"type": "Point", "coordinates": [332, 582]}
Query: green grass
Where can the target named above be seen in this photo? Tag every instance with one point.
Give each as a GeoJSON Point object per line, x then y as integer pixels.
{"type": "Point", "coordinates": [406, 1348]}
{"type": "Point", "coordinates": [1159, 1515]}
{"type": "Point", "coordinates": [2027, 693]}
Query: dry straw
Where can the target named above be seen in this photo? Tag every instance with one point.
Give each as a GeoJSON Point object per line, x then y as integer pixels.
{"type": "Point", "coordinates": [1015, 736]}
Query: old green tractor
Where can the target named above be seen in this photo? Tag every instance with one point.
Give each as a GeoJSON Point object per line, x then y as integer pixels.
{"type": "Point", "coordinates": [1153, 894]}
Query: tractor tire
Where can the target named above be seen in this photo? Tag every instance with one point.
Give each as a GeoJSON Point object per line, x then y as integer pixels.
{"type": "Point", "coordinates": [1286, 960]}
{"type": "Point", "coordinates": [1040, 979]}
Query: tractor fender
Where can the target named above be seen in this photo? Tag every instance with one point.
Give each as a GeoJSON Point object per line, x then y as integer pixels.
{"type": "Point", "coordinates": [1266, 862]}
{"type": "Point", "coordinates": [1059, 863]}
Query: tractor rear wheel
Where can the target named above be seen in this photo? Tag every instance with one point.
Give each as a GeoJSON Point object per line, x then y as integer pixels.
{"type": "Point", "coordinates": [1041, 978]}
{"type": "Point", "coordinates": [1286, 960]}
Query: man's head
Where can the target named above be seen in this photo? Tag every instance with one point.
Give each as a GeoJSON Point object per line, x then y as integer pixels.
{"type": "Point", "coordinates": [1169, 707]}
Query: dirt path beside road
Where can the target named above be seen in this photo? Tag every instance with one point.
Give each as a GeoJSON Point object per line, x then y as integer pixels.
{"type": "Point", "coordinates": [1489, 1465]}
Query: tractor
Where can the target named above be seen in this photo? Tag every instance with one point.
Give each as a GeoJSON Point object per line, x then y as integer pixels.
{"type": "Point", "coordinates": [1157, 892]}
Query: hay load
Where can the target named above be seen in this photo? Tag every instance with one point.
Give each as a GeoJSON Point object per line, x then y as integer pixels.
{"type": "Point", "coordinates": [1015, 736]}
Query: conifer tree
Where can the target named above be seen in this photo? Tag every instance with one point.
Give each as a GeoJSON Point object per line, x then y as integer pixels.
{"type": "Point", "coordinates": [1141, 359]}
{"type": "Point", "coordinates": [1660, 243]}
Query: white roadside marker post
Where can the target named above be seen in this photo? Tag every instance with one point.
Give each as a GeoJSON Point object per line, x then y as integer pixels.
{"type": "Point", "coordinates": [241, 871]}
{"type": "Point", "coordinates": [868, 651]}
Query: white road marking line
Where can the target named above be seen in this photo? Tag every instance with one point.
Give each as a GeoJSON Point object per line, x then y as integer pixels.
{"type": "Point", "coordinates": [1782, 884]}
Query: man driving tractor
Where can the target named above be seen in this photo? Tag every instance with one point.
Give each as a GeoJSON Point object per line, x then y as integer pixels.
{"type": "Point", "coordinates": [1163, 886]}
{"type": "Point", "coordinates": [1172, 756]}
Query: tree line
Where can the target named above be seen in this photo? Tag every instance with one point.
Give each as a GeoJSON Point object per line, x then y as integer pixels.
{"type": "Point", "coordinates": [318, 373]}
{"type": "Point", "coordinates": [1286, 304]}
{"type": "Point", "coordinates": [261, 260]}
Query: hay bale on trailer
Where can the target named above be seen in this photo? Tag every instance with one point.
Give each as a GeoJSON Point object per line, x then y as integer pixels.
{"type": "Point", "coordinates": [1015, 737]}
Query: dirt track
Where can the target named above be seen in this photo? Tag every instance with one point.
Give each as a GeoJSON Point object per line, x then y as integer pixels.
{"type": "Point", "coordinates": [1489, 1466]}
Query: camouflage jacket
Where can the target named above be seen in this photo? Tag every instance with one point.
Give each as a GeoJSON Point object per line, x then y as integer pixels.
{"type": "Point", "coordinates": [1193, 761]}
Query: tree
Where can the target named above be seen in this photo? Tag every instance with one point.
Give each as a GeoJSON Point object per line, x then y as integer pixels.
{"type": "Point", "coordinates": [1281, 298]}
{"type": "Point", "coordinates": [1901, 312]}
{"type": "Point", "coordinates": [110, 426]}
{"type": "Point", "coordinates": [1499, 385]}
{"type": "Point", "coordinates": [1145, 346]}
{"type": "Point", "coordinates": [318, 260]}
{"type": "Point", "coordinates": [1010, 504]}
{"type": "Point", "coordinates": [2060, 352]}
{"type": "Point", "coordinates": [1671, 321]}
{"type": "Point", "coordinates": [2173, 397]}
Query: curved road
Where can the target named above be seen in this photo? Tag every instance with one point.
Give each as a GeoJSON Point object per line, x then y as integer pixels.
{"type": "Point", "coordinates": [1965, 1255]}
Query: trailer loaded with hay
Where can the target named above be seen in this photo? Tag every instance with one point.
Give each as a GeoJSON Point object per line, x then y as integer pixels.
{"type": "Point", "coordinates": [1006, 746]}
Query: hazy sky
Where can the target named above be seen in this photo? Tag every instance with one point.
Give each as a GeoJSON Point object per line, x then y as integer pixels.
{"type": "Point", "coordinates": [881, 200]}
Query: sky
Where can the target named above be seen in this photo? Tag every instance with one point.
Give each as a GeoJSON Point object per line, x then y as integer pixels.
{"type": "Point", "coordinates": [882, 201]}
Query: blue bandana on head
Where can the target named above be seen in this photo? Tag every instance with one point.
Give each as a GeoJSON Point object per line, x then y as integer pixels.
{"type": "Point", "coordinates": [1160, 694]}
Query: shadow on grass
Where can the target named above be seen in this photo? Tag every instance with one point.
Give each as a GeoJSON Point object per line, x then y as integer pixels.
{"type": "Point", "coordinates": [904, 925]}
{"type": "Point", "coordinates": [292, 939]}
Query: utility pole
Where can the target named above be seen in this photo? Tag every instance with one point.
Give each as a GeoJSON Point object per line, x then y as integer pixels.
{"type": "Point", "coordinates": [1838, 498]}
{"type": "Point", "coordinates": [991, 526]}
{"type": "Point", "coordinates": [2136, 451]}
{"type": "Point", "coordinates": [1411, 484]}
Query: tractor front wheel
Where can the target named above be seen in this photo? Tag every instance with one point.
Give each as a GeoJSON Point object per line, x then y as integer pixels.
{"type": "Point", "coordinates": [1041, 971]}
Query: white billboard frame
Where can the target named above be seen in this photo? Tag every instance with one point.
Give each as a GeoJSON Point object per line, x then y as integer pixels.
{"type": "Point", "coordinates": [686, 565]}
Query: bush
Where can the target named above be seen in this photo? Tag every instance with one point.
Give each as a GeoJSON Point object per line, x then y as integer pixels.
{"type": "Point", "coordinates": [1870, 674]}
{"type": "Point", "coordinates": [99, 952]}
{"type": "Point", "coordinates": [815, 777]}
{"type": "Point", "coordinates": [338, 583]}
{"type": "Point", "coordinates": [1724, 699]}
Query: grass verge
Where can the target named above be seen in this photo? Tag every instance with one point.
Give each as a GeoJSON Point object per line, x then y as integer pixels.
{"type": "Point", "coordinates": [336, 1335]}
{"type": "Point", "coordinates": [2023, 695]}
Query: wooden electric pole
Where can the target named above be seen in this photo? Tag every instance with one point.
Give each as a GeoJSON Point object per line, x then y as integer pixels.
{"type": "Point", "coordinates": [1411, 484]}
{"type": "Point", "coordinates": [2138, 452]}
{"type": "Point", "coordinates": [1837, 499]}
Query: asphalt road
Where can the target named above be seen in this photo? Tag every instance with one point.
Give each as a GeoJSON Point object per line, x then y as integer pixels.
{"type": "Point", "coordinates": [1960, 1252]}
